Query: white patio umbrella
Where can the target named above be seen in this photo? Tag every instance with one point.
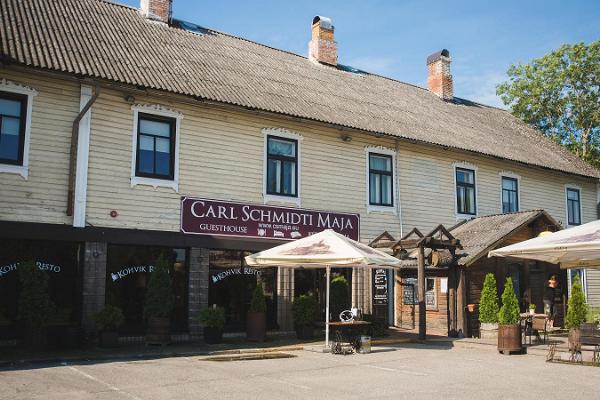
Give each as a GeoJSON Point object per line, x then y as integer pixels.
{"type": "Point", "coordinates": [322, 250]}
{"type": "Point", "coordinates": [577, 247]}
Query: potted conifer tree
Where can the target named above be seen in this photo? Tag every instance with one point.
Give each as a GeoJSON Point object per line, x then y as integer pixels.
{"type": "Point", "coordinates": [509, 329]}
{"type": "Point", "coordinates": [213, 320]}
{"type": "Point", "coordinates": [34, 304]}
{"type": "Point", "coordinates": [576, 314]}
{"type": "Point", "coordinates": [256, 327]}
{"type": "Point", "coordinates": [339, 296]}
{"type": "Point", "coordinates": [159, 304]}
{"type": "Point", "coordinates": [488, 308]}
{"type": "Point", "coordinates": [108, 322]}
{"type": "Point", "coordinates": [305, 310]}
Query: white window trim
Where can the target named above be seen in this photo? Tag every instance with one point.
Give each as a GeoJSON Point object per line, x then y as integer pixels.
{"type": "Point", "coordinates": [393, 209]}
{"type": "Point", "coordinates": [159, 110]}
{"type": "Point", "coordinates": [574, 187]}
{"type": "Point", "coordinates": [13, 87]}
{"type": "Point", "coordinates": [509, 174]}
{"type": "Point", "coordinates": [286, 134]}
{"type": "Point", "coordinates": [465, 165]}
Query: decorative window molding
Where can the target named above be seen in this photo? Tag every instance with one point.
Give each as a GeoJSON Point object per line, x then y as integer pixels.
{"type": "Point", "coordinates": [17, 88]}
{"type": "Point", "coordinates": [393, 209]}
{"type": "Point", "coordinates": [571, 186]}
{"type": "Point", "coordinates": [161, 111]}
{"type": "Point", "coordinates": [517, 177]}
{"type": "Point", "coordinates": [475, 169]}
{"type": "Point", "coordinates": [285, 134]}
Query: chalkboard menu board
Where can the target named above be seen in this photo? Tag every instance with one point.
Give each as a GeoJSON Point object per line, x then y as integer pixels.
{"type": "Point", "coordinates": [409, 294]}
{"type": "Point", "coordinates": [380, 287]}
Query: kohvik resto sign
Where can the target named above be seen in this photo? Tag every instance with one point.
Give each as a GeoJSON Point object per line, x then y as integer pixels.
{"type": "Point", "coordinates": [228, 218]}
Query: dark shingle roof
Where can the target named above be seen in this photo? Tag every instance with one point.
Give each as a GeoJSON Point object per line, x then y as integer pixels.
{"type": "Point", "coordinates": [99, 39]}
{"type": "Point", "coordinates": [480, 235]}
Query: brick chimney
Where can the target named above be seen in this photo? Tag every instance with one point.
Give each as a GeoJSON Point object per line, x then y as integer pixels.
{"type": "Point", "coordinates": [322, 47]}
{"type": "Point", "coordinates": [439, 79]}
{"type": "Point", "coordinates": [159, 10]}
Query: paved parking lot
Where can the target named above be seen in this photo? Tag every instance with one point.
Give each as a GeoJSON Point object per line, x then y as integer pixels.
{"type": "Point", "coordinates": [409, 371]}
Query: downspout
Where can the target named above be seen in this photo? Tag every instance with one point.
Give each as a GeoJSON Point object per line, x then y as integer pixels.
{"type": "Point", "coordinates": [73, 151]}
{"type": "Point", "coordinates": [392, 303]}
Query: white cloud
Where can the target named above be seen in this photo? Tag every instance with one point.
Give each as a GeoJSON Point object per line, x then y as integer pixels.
{"type": "Point", "coordinates": [480, 88]}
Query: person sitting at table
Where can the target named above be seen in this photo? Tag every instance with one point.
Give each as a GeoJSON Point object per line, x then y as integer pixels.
{"type": "Point", "coordinates": [549, 294]}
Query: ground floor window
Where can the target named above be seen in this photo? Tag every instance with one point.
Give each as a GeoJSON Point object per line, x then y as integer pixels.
{"type": "Point", "coordinates": [231, 283]}
{"type": "Point", "coordinates": [128, 273]}
{"type": "Point", "coordinates": [62, 263]}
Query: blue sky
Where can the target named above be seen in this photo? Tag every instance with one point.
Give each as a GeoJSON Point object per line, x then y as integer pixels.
{"type": "Point", "coordinates": [393, 38]}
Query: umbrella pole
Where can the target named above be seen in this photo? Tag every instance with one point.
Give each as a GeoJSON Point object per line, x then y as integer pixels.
{"type": "Point", "coordinates": [327, 268]}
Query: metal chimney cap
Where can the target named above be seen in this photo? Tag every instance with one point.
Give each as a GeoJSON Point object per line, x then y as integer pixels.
{"type": "Point", "coordinates": [437, 55]}
{"type": "Point", "coordinates": [324, 22]}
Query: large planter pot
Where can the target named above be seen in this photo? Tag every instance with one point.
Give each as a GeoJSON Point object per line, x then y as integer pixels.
{"type": "Point", "coordinates": [574, 339]}
{"type": "Point", "coordinates": [509, 339]}
{"type": "Point", "coordinates": [109, 339]}
{"type": "Point", "coordinates": [212, 335]}
{"type": "Point", "coordinates": [305, 332]}
{"type": "Point", "coordinates": [256, 327]}
{"type": "Point", "coordinates": [488, 331]}
{"type": "Point", "coordinates": [158, 331]}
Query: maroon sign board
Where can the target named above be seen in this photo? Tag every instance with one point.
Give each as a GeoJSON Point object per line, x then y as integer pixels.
{"type": "Point", "coordinates": [228, 218]}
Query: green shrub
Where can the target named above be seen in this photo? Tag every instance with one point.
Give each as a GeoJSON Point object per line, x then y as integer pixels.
{"type": "Point", "coordinates": [213, 317]}
{"type": "Point", "coordinates": [159, 295]}
{"type": "Point", "coordinates": [488, 305]}
{"type": "Point", "coordinates": [593, 315]}
{"type": "Point", "coordinates": [305, 310]}
{"type": "Point", "coordinates": [339, 296]}
{"type": "Point", "coordinates": [109, 319]}
{"type": "Point", "coordinates": [34, 303]}
{"type": "Point", "coordinates": [377, 327]}
{"type": "Point", "coordinates": [258, 303]}
{"type": "Point", "coordinates": [577, 309]}
{"type": "Point", "coordinates": [509, 312]}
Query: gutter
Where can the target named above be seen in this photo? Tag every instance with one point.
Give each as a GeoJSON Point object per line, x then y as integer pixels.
{"type": "Point", "coordinates": [73, 150]}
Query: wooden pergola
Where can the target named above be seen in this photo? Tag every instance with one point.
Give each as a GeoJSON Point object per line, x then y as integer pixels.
{"type": "Point", "coordinates": [443, 246]}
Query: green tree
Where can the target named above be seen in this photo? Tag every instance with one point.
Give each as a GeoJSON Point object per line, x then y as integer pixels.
{"type": "Point", "coordinates": [509, 312]}
{"type": "Point", "coordinates": [159, 296]}
{"type": "Point", "coordinates": [34, 302]}
{"type": "Point", "coordinates": [258, 303]}
{"type": "Point", "coordinates": [577, 308]}
{"type": "Point", "coordinates": [488, 305]}
{"type": "Point", "coordinates": [339, 296]}
{"type": "Point", "coordinates": [559, 94]}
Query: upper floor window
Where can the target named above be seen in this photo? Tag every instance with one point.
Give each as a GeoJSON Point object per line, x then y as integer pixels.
{"type": "Point", "coordinates": [13, 111]}
{"type": "Point", "coordinates": [573, 206]}
{"type": "Point", "coordinates": [510, 194]}
{"type": "Point", "coordinates": [282, 166]}
{"type": "Point", "coordinates": [465, 192]}
{"type": "Point", "coordinates": [155, 156]}
{"type": "Point", "coordinates": [381, 185]}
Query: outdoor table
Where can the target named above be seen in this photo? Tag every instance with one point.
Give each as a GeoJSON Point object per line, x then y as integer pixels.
{"type": "Point", "coordinates": [526, 320]}
{"type": "Point", "coordinates": [349, 331]}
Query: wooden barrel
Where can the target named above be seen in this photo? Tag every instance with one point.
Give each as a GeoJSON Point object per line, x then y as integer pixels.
{"type": "Point", "coordinates": [509, 339]}
{"type": "Point", "coordinates": [441, 258]}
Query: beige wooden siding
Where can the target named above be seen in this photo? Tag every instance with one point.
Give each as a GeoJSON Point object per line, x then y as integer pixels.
{"type": "Point", "coordinates": [427, 187]}
{"type": "Point", "coordinates": [593, 287]}
{"type": "Point", "coordinates": [43, 196]}
{"type": "Point", "coordinates": [221, 156]}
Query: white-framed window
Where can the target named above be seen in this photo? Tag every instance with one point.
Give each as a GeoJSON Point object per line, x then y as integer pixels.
{"type": "Point", "coordinates": [465, 184]}
{"type": "Point", "coordinates": [381, 179]}
{"type": "Point", "coordinates": [573, 204]}
{"type": "Point", "coordinates": [282, 166]}
{"type": "Point", "coordinates": [431, 301]}
{"type": "Point", "coordinates": [155, 146]}
{"type": "Point", "coordinates": [16, 104]}
{"type": "Point", "coordinates": [510, 192]}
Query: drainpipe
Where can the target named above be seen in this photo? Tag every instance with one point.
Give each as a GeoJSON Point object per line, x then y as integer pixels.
{"type": "Point", "coordinates": [73, 151]}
